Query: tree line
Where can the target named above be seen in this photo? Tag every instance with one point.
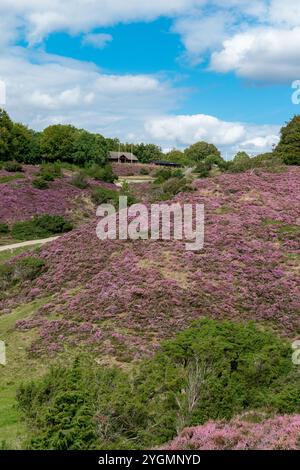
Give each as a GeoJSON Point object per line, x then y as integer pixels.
{"type": "Point", "coordinates": [66, 143]}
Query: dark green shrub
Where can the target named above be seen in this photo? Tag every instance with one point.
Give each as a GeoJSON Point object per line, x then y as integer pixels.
{"type": "Point", "coordinates": [4, 229]}
{"type": "Point", "coordinates": [25, 269]}
{"type": "Point", "coordinates": [28, 269]}
{"type": "Point", "coordinates": [40, 183]}
{"type": "Point", "coordinates": [79, 180]}
{"type": "Point", "coordinates": [41, 226]}
{"type": "Point", "coordinates": [144, 171]}
{"type": "Point", "coordinates": [164, 174]}
{"type": "Point", "coordinates": [203, 168]}
{"type": "Point", "coordinates": [50, 171]}
{"type": "Point", "coordinates": [53, 223]}
{"type": "Point", "coordinates": [175, 186]}
{"type": "Point", "coordinates": [12, 167]}
{"type": "Point", "coordinates": [6, 276]}
{"type": "Point", "coordinates": [102, 173]}
{"type": "Point", "coordinates": [103, 195]}
{"type": "Point", "coordinates": [213, 370]}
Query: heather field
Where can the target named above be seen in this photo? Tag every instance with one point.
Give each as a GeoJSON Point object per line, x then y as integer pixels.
{"type": "Point", "coordinates": [20, 200]}
{"type": "Point", "coordinates": [243, 433]}
{"type": "Point", "coordinates": [118, 300]}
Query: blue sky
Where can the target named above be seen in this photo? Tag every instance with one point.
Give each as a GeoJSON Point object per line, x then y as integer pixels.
{"type": "Point", "coordinates": [170, 72]}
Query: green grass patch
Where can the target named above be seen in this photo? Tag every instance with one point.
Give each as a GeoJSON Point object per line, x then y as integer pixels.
{"type": "Point", "coordinates": [8, 178]}
{"type": "Point", "coordinates": [9, 254]}
{"type": "Point", "coordinates": [19, 368]}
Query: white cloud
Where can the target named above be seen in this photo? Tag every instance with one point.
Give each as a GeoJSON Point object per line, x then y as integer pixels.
{"type": "Point", "coordinates": [185, 130]}
{"type": "Point", "coordinates": [43, 17]}
{"type": "Point", "coordinates": [285, 12]}
{"type": "Point", "coordinates": [97, 40]}
{"type": "Point", "coordinates": [201, 34]}
{"type": "Point", "coordinates": [261, 53]}
{"type": "Point", "coordinates": [43, 89]}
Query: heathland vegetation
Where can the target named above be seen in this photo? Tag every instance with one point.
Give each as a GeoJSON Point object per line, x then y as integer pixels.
{"type": "Point", "coordinates": [140, 344]}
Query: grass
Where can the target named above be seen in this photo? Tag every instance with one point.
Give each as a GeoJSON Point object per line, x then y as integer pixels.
{"type": "Point", "coordinates": [8, 178]}
{"type": "Point", "coordinates": [19, 368]}
{"type": "Point", "coordinates": [9, 254]}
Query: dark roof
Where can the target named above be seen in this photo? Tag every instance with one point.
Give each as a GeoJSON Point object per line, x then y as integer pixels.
{"type": "Point", "coordinates": [116, 155]}
{"type": "Point", "coordinates": [165, 163]}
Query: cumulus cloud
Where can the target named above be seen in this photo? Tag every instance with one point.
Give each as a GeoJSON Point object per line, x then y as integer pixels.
{"type": "Point", "coordinates": [43, 17]}
{"type": "Point", "coordinates": [262, 34]}
{"type": "Point", "coordinates": [201, 34]}
{"type": "Point", "coordinates": [261, 53]}
{"type": "Point", "coordinates": [184, 130]}
{"type": "Point", "coordinates": [44, 89]}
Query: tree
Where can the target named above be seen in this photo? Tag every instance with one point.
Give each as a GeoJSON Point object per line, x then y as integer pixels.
{"type": "Point", "coordinates": [176, 156]}
{"type": "Point", "coordinates": [6, 126]}
{"type": "Point", "coordinates": [289, 145]}
{"type": "Point", "coordinates": [147, 152]}
{"type": "Point", "coordinates": [241, 157]}
{"type": "Point", "coordinates": [24, 144]}
{"type": "Point", "coordinates": [200, 150]}
{"type": "Point", "coordinates": [57, 143]}
{"type": "Point", "coordinates": [88, 148]}
{"type": "Point", "coordinates": [112, 144]}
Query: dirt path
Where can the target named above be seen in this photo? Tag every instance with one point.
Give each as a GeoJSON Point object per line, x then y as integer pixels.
{"type": "Point", "coordinates": [28, 243]}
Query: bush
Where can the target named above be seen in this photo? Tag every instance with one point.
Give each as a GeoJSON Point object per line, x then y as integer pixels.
{"type": "Point", "coordinates": [213, 370]}
{"type": "Point", "coordinates": [41, 226]}
{"type": "Point", "coordinates": [28, 269]}
{"type": "Point", "coordinates": [4, 229]}
{"type": "Point", "coordinates": [49, 172]}
{"type": "Point", "coordinates": [203, 168]}
{"type": "Point", "coordinates": [79, 180]}
{"type": "Point", "coordinates": [104, 195]}
{"type": "Point", "coordinates": [40, 183]}
{"type": "Point", "coordinates": [25, 269]}
{"type": "Point", "coordinates": [144, 171]}
{"type": "Point", "coordinates": [166, 173]}
{"type": "Point", "coordinates": [175, 186]}
{"type": "Point", "coordinates": [102, 173]}
{"type": "Point", "coordinates": [13, 167]}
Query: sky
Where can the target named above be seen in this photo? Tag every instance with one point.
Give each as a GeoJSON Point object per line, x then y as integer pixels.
{"type": "Point", "coordinates": [171, 72]}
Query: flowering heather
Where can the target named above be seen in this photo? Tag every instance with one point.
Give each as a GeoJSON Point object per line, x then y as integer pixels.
{"type": "Point", "coordinates": [20, 200]}
{"type": "Point", "coordinates": [134, 169]}
{"type": "Point", "coordinates": [279, 433]}
{"type": "Point", "coordinates": [146, 291]}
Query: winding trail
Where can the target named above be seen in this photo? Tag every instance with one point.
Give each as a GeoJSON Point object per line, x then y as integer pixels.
{"type": "Point", "coordinates": [28, 243]}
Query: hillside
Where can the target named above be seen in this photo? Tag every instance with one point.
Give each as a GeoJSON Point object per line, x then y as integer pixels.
{"type": "Point", "coordinates": [20, 200]}
{"type": "Point", "coordinates": [117, 300]}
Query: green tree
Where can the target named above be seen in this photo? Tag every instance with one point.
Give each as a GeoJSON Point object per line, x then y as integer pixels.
{"type": "Point", "coordinates": [200, 150]}
{"type": "Point", "coordinates": [89, 147]}
{"type": "Point", "coordinates": [6, 126]}
{"type": "Point", "coordinates": [23, 144]}
{"type": "Point", "coordinates": [289, 145]}
{"type": "Point", "coordinates": [241, 157]}
{"type": "Point", "coordinates": [147, 152]}
{"type": "Point", "coordinates": [57, 143]}
{"type": "Point", "coordinates": [176, 156]}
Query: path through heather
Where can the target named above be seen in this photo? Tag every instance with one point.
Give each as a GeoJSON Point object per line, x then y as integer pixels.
{"type": "Point", "coordinates": [28, 243]}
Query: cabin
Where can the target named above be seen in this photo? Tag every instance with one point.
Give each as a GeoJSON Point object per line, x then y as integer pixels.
{"type": "Point", "coordinates": [122, 157]}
